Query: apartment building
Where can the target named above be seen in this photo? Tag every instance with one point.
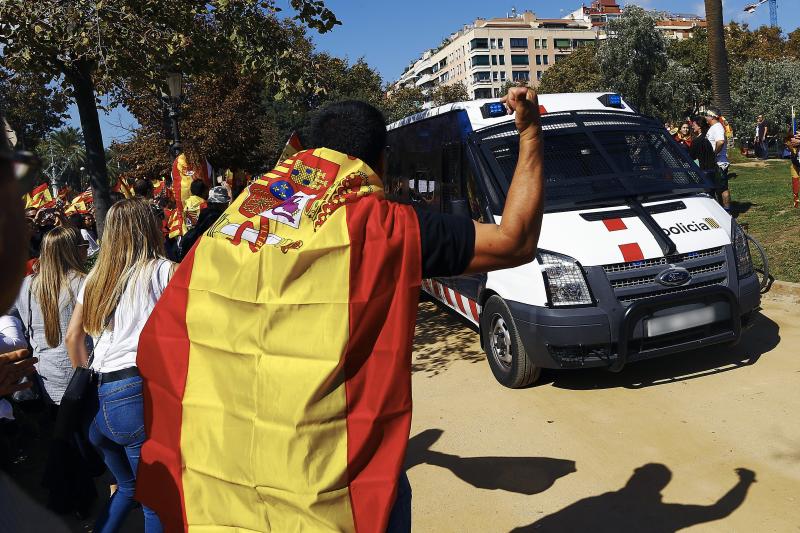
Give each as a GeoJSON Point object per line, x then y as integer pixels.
{"type": "Point", "coordinates": [674, 26]}
{"type": "Point", "coordinates": [490, 52]}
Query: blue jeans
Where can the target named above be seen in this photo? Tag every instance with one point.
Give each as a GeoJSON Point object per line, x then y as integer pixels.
{"type": "Point", "coordinates": [118, 432]}
{"type": "Point", "coordinates": [400, 518]}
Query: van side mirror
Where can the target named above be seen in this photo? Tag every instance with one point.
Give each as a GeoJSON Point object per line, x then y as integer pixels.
{"type": "Point", "coordinates": [459, 207]}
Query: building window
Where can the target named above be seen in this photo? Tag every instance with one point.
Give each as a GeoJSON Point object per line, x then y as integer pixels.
{"type": "Point", "coordinates": [479, 44]}
{"type": "Point", "coordinates": [519, 43]}
{"type": "Point", "coordinates": [521, 75]}
{"type": "Point", "coordinates": [502, 59]}
{"type": "Point", "coordinates": [477, 61]}
{"type": "Point", "coordinates": [537, 43]}
{"type": "Point", "coordinates": [545, 59]}
{"type": "Point", "coordinates": [538, 74]}
{"type": "Point", "coordinates": [544, 43]}
{"type": "Point", "coordinates": [561, 43]}
{"type": "Point", "coordinates": [520, 59]}
{"type": "Point", "coordinates": [494, 76]}
{"type": "Point", "coordinates": [499, 43]}
{"type": "Point", "coordinates": [503, 75]}
{"type": "Point", "coordinates": [538, 60]}
{"type": "Point", "coordinates": [494, 60]}
{"type": "Point", "coordinates": [483, 93]}
{"type": "Point", "coordinates": [492, 43]}
{"type": "Point", "coordinates": [480, 76]}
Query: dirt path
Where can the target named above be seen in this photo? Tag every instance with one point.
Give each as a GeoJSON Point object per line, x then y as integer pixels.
{"type": "Point", "coordinates": [655, 448]}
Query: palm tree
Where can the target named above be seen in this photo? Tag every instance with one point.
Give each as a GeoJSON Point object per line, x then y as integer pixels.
{"type": "Point", "coordinates": [63, 156]}
{"type": "Point", "coordinates": [718, 57]}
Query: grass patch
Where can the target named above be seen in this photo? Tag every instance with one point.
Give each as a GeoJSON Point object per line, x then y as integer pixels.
{"type": "Point", "coordinates": [762, 199]}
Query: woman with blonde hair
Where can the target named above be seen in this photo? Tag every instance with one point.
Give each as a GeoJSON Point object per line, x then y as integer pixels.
{"type": "Point", "coordinates": [45, 306]}
{"type": "Point", "coordinates": [113, 305]}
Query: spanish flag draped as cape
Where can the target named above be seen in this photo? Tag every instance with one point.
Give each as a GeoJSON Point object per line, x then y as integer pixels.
{"type": "Point", "coordinates": [276, 365]}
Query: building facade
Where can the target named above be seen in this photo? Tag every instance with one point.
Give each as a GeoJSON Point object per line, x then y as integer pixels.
{"type": "Point", "coordinates": [487, 54]}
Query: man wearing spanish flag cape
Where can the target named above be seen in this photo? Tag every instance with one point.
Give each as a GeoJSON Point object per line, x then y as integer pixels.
{"type": "Point", "coordinates": [277, 364]}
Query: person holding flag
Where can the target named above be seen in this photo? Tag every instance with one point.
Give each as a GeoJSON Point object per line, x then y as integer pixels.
{"type": "Point", "coordinates": [277, 363]}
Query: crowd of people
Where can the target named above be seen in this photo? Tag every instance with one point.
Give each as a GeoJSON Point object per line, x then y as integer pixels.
{"type": "Point", "coordinates": [706, 138]}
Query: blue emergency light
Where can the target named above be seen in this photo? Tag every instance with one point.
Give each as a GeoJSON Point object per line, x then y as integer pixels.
{"type": "Point", "coordinates": [611, 100]}
{"type": "Point", "coordinates": [493, 110]}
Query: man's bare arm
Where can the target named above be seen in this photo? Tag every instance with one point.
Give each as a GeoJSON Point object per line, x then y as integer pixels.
{"type": "Point", "coordinates": [513, 242]}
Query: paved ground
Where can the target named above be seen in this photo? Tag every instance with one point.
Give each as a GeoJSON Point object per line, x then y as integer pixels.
{"type": "Point", "coordinates": [655, 448]}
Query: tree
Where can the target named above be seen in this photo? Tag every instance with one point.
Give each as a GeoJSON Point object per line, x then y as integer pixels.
{"type": "Point", "coordinates": [743, 44]}
{"type": "Point", "coordinates": [676, 93]}
{"type": "Point", "coordinates": [91, 45]}
{"type": "Point", "coordinates": [32, 107]}
{"type": "Point", "coordinates": [403, 102]}
{"type": "Point", "coordinates": [447, 94]}
{"type": "Point", "coordinates": [578, 72]}
{"type": "Point", "coordinates": [632, 56]}
{"type": "Point", "coordinates": [793, 44]}
{"type": "Point", "coordinates": [718, 57]}
{"type": "Point", "coordinates": [768, 88]}
{"type": "Point", "coordinates": [63, 156]}
{"type": "Point", "coordinates": [690, 58]}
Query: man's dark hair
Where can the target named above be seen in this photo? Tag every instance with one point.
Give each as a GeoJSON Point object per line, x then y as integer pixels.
{"type": "Point", "coordinates": [197, 187]}
{"type": "Point", "coordinates": [142, 188]}
{"type": "Point", "coordinates": [352, 127]}
{"type": "Point", "coordinates": [76, 219]}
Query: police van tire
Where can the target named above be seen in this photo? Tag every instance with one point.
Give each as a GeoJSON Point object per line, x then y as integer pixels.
{"type": "Point", "coordinates": [504, 349]}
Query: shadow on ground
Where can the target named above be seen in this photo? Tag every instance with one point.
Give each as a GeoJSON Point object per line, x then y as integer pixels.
{"type": "Point", "coordinates": [758, 340]}
{"type": "Point", "coordinates": [638, 506]}
{"type": "Point", "coordinates": [523, 475]}
{"type": "Point", "coordinates": [441, 339]}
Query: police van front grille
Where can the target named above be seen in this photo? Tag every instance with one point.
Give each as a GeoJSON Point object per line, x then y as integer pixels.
{"type": "Point", "coordinates": [637, 280]}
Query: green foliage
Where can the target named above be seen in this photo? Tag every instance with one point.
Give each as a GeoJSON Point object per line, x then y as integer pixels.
{"type": "Point", "coordinates": [403, 102]}
{"type": "Point", "coordinates": [768, 88]}
{"type": "Point", "coordinates": [633, 55]}
{"type": "Point", "coordinates": [31, 105]}
{"type": "Point", "coordinates": [447, 94]}
{"type": "Point", "coordinates": [62, 156]}
{"type": "Point", "coordinates": [578, 72]}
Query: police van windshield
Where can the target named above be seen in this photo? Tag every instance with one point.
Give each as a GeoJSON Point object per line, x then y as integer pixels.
{"type": "Point", "coordinates": [594, 157]}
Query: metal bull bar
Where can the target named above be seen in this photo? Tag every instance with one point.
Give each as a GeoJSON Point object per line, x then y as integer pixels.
{"type": "Point", "coordinates": [643, 308]}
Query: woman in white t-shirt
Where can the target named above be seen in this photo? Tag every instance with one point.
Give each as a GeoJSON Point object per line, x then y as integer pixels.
{"type": "Point", "coordinates": [113, 305]}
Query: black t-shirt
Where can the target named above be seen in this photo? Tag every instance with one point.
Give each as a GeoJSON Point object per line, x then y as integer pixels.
{"type": "Point", "coordinates": [448, 243]}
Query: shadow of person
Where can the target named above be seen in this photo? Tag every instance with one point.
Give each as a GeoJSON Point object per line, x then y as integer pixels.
{"type": "Point", "coordinates": [638, 506]}
{"type": "Point", "coordinates": [523, 475]}
{"type": "Point", "coordinates": [761, 338]}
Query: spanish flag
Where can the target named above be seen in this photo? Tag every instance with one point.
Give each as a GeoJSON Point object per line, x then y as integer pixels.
{"type": "Point", "coordinates": [38, 197]}
{"type": "Point", "coordinates": [81, 204]}
{"type": "Point", "coordinates": [183, 173]}
{"type": "Point", "coordinates": [277, 363]}
{"type": "Point", "coordinates": [121, 186]}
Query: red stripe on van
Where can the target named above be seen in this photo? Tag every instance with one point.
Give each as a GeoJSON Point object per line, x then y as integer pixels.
{"type": "Point", "coordinates": [473, 307]}
{"type": "Point", "coordinates": [447, 297]}
{"type": "Point", "coordinates": [460, 304]}
{"type": "Point", "coordinates": [542, 110]}
{"type": "Point", "coordinates": [631, 252]}
{"type": "Point", "coordinates": [615, 224]}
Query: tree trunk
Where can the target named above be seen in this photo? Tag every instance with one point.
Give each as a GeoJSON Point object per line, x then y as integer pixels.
{"type": "Point", "coordinates": [718, 58]}
{"type": "Point", "coordinates": [81, 80]}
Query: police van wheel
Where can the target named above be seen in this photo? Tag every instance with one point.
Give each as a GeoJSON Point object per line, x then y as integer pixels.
{"type": "Point", "coordinates": [504, 350]}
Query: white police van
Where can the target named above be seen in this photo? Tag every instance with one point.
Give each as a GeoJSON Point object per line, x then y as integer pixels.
{"type": "Point", "coordinates": [635, 259]}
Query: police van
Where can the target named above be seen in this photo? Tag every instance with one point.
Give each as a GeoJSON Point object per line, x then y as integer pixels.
{"type": "Point", "coordinates": [635, 260]}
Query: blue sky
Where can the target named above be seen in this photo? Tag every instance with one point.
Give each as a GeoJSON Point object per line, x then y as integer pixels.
{"type": "Point", "coordinates": [389, 34]}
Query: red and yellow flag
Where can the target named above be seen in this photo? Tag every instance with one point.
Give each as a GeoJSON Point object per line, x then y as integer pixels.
{"type": "Point", "coordinates": [81, 204]}
{"type": "Point", "coordinates": [121, 186]}
{"type": "Point", "coordinates": [183, 173]}
{"type": "Point", "coordinates": [38, 197]}
{"type": "Point", "coordinates": [277, 363]}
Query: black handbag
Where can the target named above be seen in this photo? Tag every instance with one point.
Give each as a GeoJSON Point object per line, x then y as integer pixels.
{"type": "Point", "coordinates": [34, 392]}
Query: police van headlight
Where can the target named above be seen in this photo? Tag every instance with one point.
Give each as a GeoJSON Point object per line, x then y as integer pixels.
{"type": "Point", "coordinates": [564, 280]}
{"type": "Point", "coordinates": [741, 247]}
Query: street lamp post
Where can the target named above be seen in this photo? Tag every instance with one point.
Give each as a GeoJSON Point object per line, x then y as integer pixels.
{"type": "Point", "coordinates": [173, 103]}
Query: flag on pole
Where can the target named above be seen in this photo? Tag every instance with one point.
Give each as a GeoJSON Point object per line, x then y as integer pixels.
{"type": "Point", "coordinates": [81, 204]}
{"type": "Point", "coordinates": [38, 197]}
{"type": "Point", "coordinates": [276, 365]}
{"type": "Point", "coordinates": [183, 173]}
{"type": "Point", "coordinates": [794, 122]}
